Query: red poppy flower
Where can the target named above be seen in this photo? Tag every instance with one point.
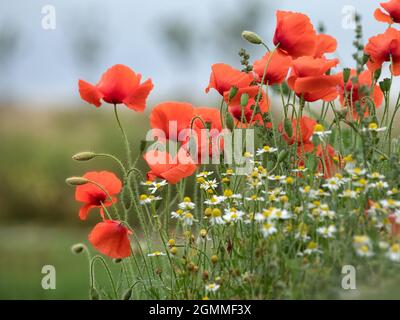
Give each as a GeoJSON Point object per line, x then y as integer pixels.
{"type": "Point", "coordinates": [325, 44]}
{"type": "Point", "coordinates": [235, 107]}
{"type": "Point", "coordinates": [384, 47]}
{"type": "Point", "coordinates": [306, 130]}
{"type": "Point", "coordinates": [92, 196]}
{"type": "Point", "coordinates": [277, 69]}
{"type": "Point", "coordinates": [119, 84]}
{"type": "Point", "coordinates": [111, 238]}
{"type": "Point", "coordinates": [392, 8]}
{"type": "Point", "coordinates": [165, 116]}
{"type": "Point", "coordinates": [295, 34]}
{"type": "Point", "coordinates": [310, 81]}
{"type": "Point", "coordinates": [224, 77]}
{"type": "Point", "coordinates": [354, 94]}
{"type": "Point", "coordinates": [163, 166]}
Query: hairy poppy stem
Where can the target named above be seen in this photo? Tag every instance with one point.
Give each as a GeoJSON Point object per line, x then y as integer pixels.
{"type": "Point", "coordinates": [125, 137]}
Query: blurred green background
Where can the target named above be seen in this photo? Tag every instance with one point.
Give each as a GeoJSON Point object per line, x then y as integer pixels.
{"type": "Point", "coordinates": [43, 122]}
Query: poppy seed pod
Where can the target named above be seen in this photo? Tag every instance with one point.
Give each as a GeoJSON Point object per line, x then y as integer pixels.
{"type": "Point", "coordinates": [84, 156]}
{"type": "Point", "coordinates": [346, 74]}
{"type": "Point", "coordinates": [385, 84]}
{"type": "Point", "coordinates": [77, 248]}
{"type": "Point", "coordinates": [230, 123]}
{"type": "Point", "coordinates": [252, 37]}
{"type": "Point", "coordinates": [76, 181]}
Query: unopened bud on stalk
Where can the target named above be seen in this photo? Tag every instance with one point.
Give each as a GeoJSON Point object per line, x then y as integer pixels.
{"type": "Point", "coordinates": [77, 248]}
{"type": "Point", "coordinates": [203, 233]}
{"type": "Point", "coordinates": [346, 74]}
{"type": "Point", "coordinates": [252, 37]}
{"type": "Point", "coordinates": [377, 74]}
{"type": "Point", "coordinates": [94, 294]}
{"type": "Point", "coordinates": [229, 122]}
{"type": "Point", "coordinates": [385, 85]}
{"type": "Point", "coordinates": [282, 155]}
{"type": "Point", "coordinates": [287, 124]}
{"type": "Point", "coordinates": [127, 294]}
{"type": "Point", "coordinates": [84, 156]}
{"type": "Point", "coordinates": [365, 59]}
{"type": "Point", "coordinates": [244, 99]}
{"type": "Point", "coordinates": [232, 92]}
{"type": "Point", "coordinates": [214, 259]}
{"type": "Point", "coordinates": [76, 181]}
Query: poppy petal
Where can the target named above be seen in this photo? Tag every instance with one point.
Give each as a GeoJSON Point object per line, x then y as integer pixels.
{"type": "Point", "coordinates": [90, 93]}
{"type": "Point", "coordinates": [382, 17]}
{"type": "Point", "coordinates": [137, 99]}
{"type": "Point", "coordinates": [111, 239]}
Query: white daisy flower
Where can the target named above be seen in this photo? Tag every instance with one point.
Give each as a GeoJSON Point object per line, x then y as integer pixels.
{"type": "Point", "coordinates": [187, 204]}
{"type": "Point", "coordinates": [362, 245]}
{"type": "Point", "coordinates": [157, 185]}
{"type": "Point", "coordinates": [266, 149]}
{"type": "Point", "coordinates": [349, 194]}
{"type": "Point", "coordinates": [212, 287]}
{"type": "Point", "coordinates": [394, 253]}
{"type": "Point", "coordinates": [156, 254]}
{"type": "Point", "coordinates": [204, 174]}
{"type": "Point", "coordinates": [268, 229]}
{"type": "Point", "coordinates": [374, 127]}
{"type": "Point", "coordinates": [376, 175]}
{"type": "Point", "coordinates": [146, 199]}
{"type": "Point", "coordinates": [276, 178]}
{"type": "Point", "coordinates": [327, 232]}
{"type": "Point", "coordinates": [214, 200]}
{"type": "Point", "coordinates": [233, 215]}
{"type": "Point", "coordinates": [216, 217]}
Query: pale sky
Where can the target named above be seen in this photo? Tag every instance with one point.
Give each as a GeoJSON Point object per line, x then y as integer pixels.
{"type": "Point", "coordinates": [45, 68]}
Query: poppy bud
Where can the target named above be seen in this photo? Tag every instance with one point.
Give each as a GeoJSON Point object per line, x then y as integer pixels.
{"type": "Point", "coordinates": [365, 59]}
{"type": "Point", "coordinates": [377, 74]}
{"type": "Point", "coordinates": [94, 294]}
{"type": "Point", "coordinates": [83, 156]}
{"type": "Point", "coordinates": [251, 37]}
{"type": "Point", "coordinates": [244, 99]}
{"type": "Point", "coordinates": [346, 74]}
{"type": "Point", "coordinates": [232, 93]}
{"type": "Point", "coordinates": [77, 248]}
{"type": "Point", "coordinates": [230, 124]}
{"type": "Point", "coordinates": [76, 181]}
{"type": "Point", "coordinates": [282, 155]}
{"type": "Point", "coordinates": [385, 85]}
{"type": "Point", "coordinates": [287, 124]}
{"type": "Point", "coordinates": [127, 294]}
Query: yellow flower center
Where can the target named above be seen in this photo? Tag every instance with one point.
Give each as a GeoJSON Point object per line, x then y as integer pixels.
{"type": "Point", "coordinates": [319, 128]}
{"type": "Point", "coordinates": [216, 213]}
{"type": "Point", "coordinates": [373, 126]}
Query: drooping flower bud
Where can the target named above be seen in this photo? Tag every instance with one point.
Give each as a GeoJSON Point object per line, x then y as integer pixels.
{"type": "Point", "coordinates": [346, 74]}
{"type": "Point", "coordinates": [252, 37]}
{"type": "Point", "coordinates": [84, 156]}
{"type": "Point", "coordinates": [77, 248]}
{"type": "Point", "coordinates": [385, 84]}
{"type": "Point", "coordinates": [76, 181]}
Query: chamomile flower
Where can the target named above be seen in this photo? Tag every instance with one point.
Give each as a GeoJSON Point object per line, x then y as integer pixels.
{"type": "Point", "coordinates": [333, 184]}
{"type": "Point", "coordinates": [157, 185]}
{"type": "Point", "coordinates": [375, 175]}
{"type": "Point", "coordinates": [146, 199]}
{"type": "Point", "coordinates": [228, 194]}
{"type": "Point", "coordinates": [327, 232]}
{"type": "Point", "coordinates": [228, 173]}
{"type": "Point", "coordinates": [392, 192]}
{"type": "Point", "coordinates": [204, 174]}
{"type": "Point", "coordinates": [266, 214]}
{"type": "Point", "coordinates": [300, 169]}
{"type": "Point", "coordinates": [351, 194]}
{"type": "Point", "coordinates": [188, 219]}
{"type": "Point", "coordinates": [390, 203]}
{"type": "Point", "coordinates": [312, 248]}
{"type": "Point", "coordinates": [187, 204]}
{"type": "Point", "coordinates": [379, 185]}
{"type": "Point", "coordinates": [356, 171]}
{"type": "Point", "coordinates": [208, 184]}
{"type": "Point", "coordinates": [280, 214]}
{"type": "Point", "coordinates": [214, 200]}
{"type": "Point", "coordinates": [255, 197]}
{"type": "Point", "coordinates": [394, 253]}
{"type": "Point", "coordinates": [178, 214]}
{"type": "Point", "coordinates": [216, 217]}
{"type": "Point", "coordinates": [268, 229]}
{"type": "Point", "coordinates": [277, 178]}
{"type": "Point", "coordinates": [233, 215]}
{"type": "Point", "coordinates": [362, 245]}
{"type": "Point", "coordinates": [320, 131]}
{"type": "Point", "coordinates": [374, 127]}
{"type": "Point", "coordinates": [156, 254]}
{"type": "Point", "coordinates": [266, 149]}
{"type": "Point", "coordinates": [212, 287]}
